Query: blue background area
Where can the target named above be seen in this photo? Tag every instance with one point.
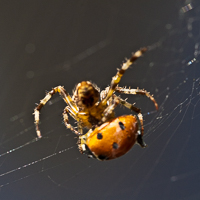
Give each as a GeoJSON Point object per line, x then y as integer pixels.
{"type": "Point", "coordinates": [48, 43]}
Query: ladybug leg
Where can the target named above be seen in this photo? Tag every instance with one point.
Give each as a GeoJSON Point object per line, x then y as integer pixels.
{"type": "Point", "coordinates": [116, 79]}
{"type": "Point", "coordinates": [137, 91]}
{"type": "Point", "coordinates": [68, 125]}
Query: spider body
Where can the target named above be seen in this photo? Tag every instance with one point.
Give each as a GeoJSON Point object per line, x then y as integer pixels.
{"type": "Point", "coordinates": [94, 110]}
{"type": "Point", "coordinates": [86, 95]}
{"type": "Point", "coordinates": [112, 139]}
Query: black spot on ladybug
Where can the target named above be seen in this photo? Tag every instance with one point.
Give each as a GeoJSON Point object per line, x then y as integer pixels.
{"type": "Point", "coordinates": [115, 145]}
{"type": "Point", "coordinates": [121, 125]}
{"type": "Point", "coordinates": [99, 136]}
{"type": "Point", "coordinates": [102, 157]}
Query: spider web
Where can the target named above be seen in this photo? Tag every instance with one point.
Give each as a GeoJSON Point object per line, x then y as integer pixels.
{"type": "Point", "coordinates": [65, 43]}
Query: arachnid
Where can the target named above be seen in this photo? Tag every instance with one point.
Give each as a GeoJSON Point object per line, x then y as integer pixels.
{"type": "Point", "coordinates": [108, 136]}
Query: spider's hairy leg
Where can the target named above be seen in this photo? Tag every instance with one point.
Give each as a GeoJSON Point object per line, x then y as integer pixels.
{"type": "Point", "coordinates": [137, 91]}
{"type": "Point", "coordinates": [37, 112]}
{"type": "Point", "coordinates": [116, 79]}
{"type": "Point", "coordinates": [66, 97]}
{"type": "Point", "coordinates": [140, 131]}
{"type": "Point", "coordinates": [68, 125]}
{"type": "Point", "coordinates": [139, 118]}
{"type": "Point", "coordinates": [104, 92]}
{"type": "Point", "coordinates": [129, 105]}
{"type": "Point", "coordinates": [109, 111]}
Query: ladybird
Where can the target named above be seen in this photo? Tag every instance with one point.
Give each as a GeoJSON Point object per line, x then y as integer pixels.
{"type": "Point", "coordinates": [113, 138]}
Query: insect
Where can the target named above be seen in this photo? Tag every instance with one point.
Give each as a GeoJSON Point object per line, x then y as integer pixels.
{"type": "Point", "coordinates": [112, 139]}
{"type": "Point", "coordinates": [108, 136]}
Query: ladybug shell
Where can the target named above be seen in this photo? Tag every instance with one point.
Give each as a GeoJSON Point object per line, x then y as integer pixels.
{"type": "Point", "coordinates": [114, 138]}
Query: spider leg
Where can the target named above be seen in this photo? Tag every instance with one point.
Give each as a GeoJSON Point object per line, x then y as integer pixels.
{"type": "Point", "coordinates": [66, 97]}
{"type": "Point", "coordinates": [80, 130]}
{"type": "Point", "coordinates": [109, 111]}
{"type": "Point", "coordinates": [68, 125]}
{"type": "Point", "coordinates": [104, 93]}
{"type": "Point", "coordinates": [140, 130]}
{"type": "Point", "coordinates": [139, 118]}
{"type": "Point", "coordinates": [116, 79]}
{"type": "Point", "coordinates": [137, 91]}
{"type": "Point", "coordinates": [129, 105]}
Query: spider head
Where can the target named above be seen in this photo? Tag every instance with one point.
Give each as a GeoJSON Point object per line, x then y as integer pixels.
{"type": "Point", "coordinates": [86, 94]}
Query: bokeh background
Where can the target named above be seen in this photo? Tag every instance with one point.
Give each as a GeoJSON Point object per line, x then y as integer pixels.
{"type": "Point", "coordinates": [48, 43]}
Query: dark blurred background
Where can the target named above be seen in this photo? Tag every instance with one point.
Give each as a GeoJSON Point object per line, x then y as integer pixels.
{"type": "Point", "coordinates": [48, 43]}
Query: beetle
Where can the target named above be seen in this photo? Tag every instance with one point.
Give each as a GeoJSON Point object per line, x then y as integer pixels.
{"type": "Point", "coordinates": [112, 139]}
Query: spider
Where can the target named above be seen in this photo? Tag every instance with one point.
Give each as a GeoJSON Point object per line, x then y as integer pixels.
{"type": "Point", "coordinates": [94, 110]}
